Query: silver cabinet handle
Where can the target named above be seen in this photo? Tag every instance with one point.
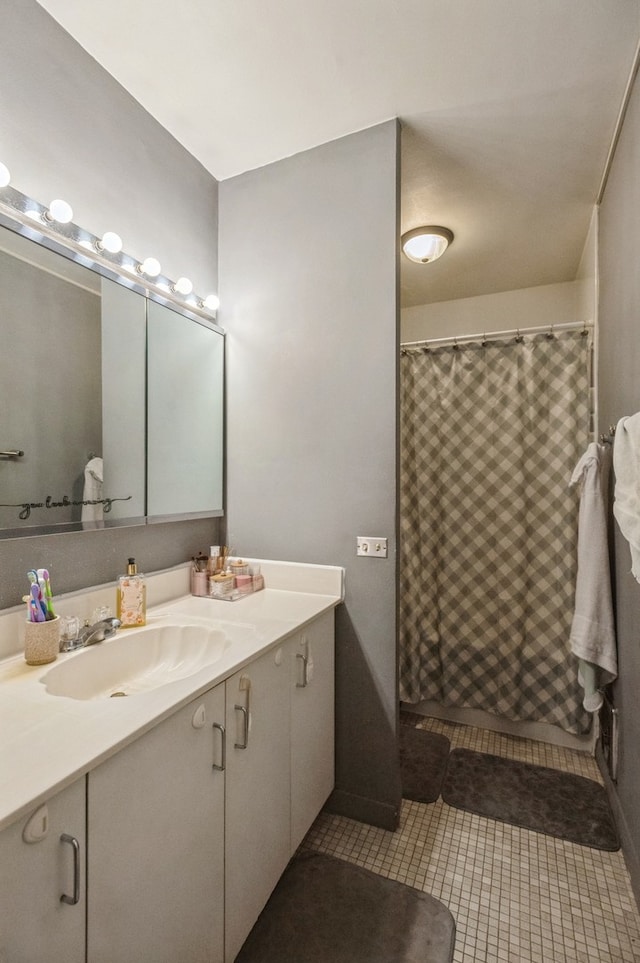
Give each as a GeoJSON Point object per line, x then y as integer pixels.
{"type": "Point", "coordinates": [305, 664]}
{"type": "Point", "coordinates": [223, 733]}
{"type": "Point", "coordinates": [243, 745]}
{"type": "Point", "coordinates": [14, 453]}
{"type": "Point", "coordinates": [72, 900]}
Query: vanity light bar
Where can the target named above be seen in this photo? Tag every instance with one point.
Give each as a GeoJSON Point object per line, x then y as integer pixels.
{"type": "Point", "coordinates": [55, 222]}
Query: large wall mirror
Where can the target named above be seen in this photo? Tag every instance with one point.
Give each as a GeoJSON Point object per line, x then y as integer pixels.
{"type": "Point", "coordinates": [111, 403]}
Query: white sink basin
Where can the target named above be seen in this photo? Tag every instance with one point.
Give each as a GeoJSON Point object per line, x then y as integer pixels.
{"type": "Point", "coordinates": [136, 661]}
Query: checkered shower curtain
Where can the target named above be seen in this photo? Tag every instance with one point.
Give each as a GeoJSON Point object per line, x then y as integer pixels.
{"type": "Point", "coordinates": [490, 436]}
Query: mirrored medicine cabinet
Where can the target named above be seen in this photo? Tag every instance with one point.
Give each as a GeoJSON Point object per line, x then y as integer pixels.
{"type": "Point", "coordinates": [111, 402]}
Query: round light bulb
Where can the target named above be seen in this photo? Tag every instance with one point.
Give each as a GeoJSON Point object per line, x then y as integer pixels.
{"type": "Point", "coordinates": [59, 211]}
{"type": "Point", "coordinates": [5, 175]}
{"type": "Point", "coordinates": [151, 267]}
{"type": "Point", "coordinates": [110, 242]}
{"type": "Point", "coordinates": [183, 286]}
{"type": "Point", "coordinates": [211, 302]}
{"type": "Point", "coordinates": [426, 244]}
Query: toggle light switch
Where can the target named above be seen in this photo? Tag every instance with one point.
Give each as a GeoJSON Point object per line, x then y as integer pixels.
{"type": "Point", "coordinates": [368, 545]}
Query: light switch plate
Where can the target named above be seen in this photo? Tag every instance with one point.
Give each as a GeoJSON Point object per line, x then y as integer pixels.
{"type": "Point", "coordinates": [370, 545]}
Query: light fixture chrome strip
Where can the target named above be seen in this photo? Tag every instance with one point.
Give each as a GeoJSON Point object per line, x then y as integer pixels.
{"type": "Point", "coordinates": [28, 217]}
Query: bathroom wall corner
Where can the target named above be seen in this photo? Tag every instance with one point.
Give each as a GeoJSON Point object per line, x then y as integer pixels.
{"type": "Point", "coordinates": [364, 810]}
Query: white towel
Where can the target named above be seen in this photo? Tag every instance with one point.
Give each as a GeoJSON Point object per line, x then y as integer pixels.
{"type": "Point", "coordinates": [93, 479]}
{"type": "Point", "coordinates": [626, 464]}
{"type": "Point", "coordinates": [592, 635]}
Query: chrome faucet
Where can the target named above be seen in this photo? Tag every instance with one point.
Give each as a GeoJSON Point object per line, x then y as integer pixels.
{"type": "Point", "coordinates": [90, 634]}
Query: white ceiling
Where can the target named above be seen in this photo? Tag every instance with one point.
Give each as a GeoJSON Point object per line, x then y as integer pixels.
{"type": "Point", "coordinates": [508, 107]}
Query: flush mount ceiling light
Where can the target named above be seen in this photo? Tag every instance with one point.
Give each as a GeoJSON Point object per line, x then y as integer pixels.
{"type": "Point", "coordinates": [425, 244]}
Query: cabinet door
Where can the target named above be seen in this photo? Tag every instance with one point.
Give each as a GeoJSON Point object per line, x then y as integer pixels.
{"type": "Point", "coordinates": [312, 723]}
{"type": "Point", "coordinates": [257, 791]}
{"type": "Point", "coordinates": [156, 830]}
{"type": "Point", "coordinates": [36, 923]}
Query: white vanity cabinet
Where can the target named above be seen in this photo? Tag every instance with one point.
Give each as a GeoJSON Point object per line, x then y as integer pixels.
{"type": "Point", "coordinates": [170, 846]}
{"type": "Point", "coordinates": [257, 791]}
{"type": "Point", "coordinates": [280, 767]}
{"type": "Point", "coordinates": [42, 882]}
{"type": "Point", "coordinates": [156, 855]}
{"type": "Point", "coordinates": [312, 723]}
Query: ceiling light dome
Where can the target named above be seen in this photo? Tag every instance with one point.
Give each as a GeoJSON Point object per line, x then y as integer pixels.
{"type": "Point", "coordinates": [425, 244]}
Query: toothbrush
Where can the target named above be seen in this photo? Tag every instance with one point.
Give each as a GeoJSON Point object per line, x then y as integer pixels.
{"type": "Point", "coordinates": [33, 579]}
{"type": "Point", "coordinates": [43, 574]}
{"type": "Point", "coordinates": [37, 614]}
{"type": "Point", "coordinates": [41, 597]}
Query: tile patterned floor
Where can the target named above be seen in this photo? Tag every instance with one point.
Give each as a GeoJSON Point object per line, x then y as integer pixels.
{"type": "Point", "coordinates": [516, 896]}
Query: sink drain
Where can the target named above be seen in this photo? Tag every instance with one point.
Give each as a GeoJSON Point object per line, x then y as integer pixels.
{"type": "Point", "coordinates": [116, 695]}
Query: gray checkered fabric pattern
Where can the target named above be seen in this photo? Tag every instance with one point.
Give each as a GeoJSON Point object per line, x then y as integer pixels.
{"type": "Point", "coordinates": [490, 436]}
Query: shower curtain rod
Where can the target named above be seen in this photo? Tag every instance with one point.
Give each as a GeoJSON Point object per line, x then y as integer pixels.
{"type": "Point", "coordinates": [490, 335]}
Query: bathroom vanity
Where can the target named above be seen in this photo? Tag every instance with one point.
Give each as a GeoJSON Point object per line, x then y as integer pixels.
{"type": "Point", "coordinates": [155, 826]}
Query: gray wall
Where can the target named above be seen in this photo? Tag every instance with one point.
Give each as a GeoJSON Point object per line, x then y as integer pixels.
{"type": "Point", "coordinates": [619, 394]}
{"type": "Point", "coordinates": [308, 270]}
{"type": "Point", "coordinates": [69, 130]}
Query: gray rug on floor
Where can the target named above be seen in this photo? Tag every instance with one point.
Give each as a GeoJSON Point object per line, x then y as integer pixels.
{"type": "Point", "coordinates": [532, 797]}
{"type": "Point", "coordinates": [423, 760]}
{"type": "Point", "coordinates": [325, 910]}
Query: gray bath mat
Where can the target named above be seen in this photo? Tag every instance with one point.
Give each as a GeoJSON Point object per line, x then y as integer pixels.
{"type": "Point", "coordinates": [532, 797]}
{"type": "Point", "coordinates": [325, 910]}
{"type": "Point", "coordinates": [423, 760]}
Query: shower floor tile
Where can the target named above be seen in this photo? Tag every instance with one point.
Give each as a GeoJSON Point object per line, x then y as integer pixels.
{"type": "Point", "coordinates": [516, 896]}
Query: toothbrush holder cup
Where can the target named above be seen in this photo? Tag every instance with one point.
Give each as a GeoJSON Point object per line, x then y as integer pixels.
{"type": "Point", "coordinates": [41, 641]}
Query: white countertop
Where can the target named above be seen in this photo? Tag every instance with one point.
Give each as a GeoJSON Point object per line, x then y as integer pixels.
{"type": "Point", "coordinates": [49, 741]}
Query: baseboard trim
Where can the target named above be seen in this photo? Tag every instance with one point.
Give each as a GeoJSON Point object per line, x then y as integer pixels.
{"type": "Point", "coordinates": [631, 857]}
{"type": "Point", "coordinates": [364, 810]}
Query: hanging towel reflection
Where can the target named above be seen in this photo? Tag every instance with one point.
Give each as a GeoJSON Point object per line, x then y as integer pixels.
{"type": "Point", "coordinates": [93, 488]}
{"type": "Point", "coordinates": [592, 635]}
